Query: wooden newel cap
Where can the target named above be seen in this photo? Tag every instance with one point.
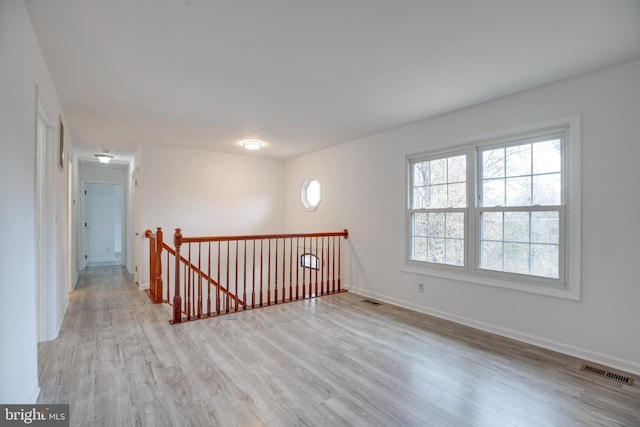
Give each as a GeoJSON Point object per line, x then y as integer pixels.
{"type": "Point", "coordinates": [177, 238]}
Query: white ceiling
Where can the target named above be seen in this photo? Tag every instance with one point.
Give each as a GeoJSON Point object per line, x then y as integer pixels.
{"type": "Point", "coordinates": [303, 75]}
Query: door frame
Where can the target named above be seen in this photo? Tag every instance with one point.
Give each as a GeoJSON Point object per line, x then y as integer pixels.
{"type": "Point", "coordinates": [45, 216]}
{"type": "Point", "coordinates": [135, 219]}
{"type": "Point", "coordinates": [70, 233]}
{"type": "Point", "coordinates": [82, 252]}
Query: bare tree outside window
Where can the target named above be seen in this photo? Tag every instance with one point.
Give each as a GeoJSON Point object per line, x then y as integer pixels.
{"type": "Point", "coordinates": [439, 201]}
{"type": "Point", "coordinates": [522, 186]}
{"type": "Point", "coordinates": [503, 211]}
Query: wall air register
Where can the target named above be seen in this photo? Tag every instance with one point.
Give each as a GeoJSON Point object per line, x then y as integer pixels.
{"type": "Point", "coordinates": [603, 372]}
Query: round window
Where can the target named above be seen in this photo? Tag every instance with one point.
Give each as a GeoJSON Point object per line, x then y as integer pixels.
{"type": "Point", "coordinates": [311, 193]}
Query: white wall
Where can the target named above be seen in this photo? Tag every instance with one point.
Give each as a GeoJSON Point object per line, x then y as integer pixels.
{"type": "Point", "coordinates": [206, 193]}
{"type": "Point", "coordinates": [103, 174]}
{"type": "Point", "coordinates": [363, 185]}
{"type": "Point", "coordinates": [21, 68]}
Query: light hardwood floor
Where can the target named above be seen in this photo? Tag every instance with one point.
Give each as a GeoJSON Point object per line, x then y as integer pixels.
{"type": "Point", "coordinates": [332, 361]}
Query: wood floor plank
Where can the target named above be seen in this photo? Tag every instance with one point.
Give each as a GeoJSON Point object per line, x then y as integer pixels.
{"type": "Point", "coordinates": [332, 361]}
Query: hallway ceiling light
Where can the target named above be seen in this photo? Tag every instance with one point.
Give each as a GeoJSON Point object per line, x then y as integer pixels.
{"type": "Point", "coordinates": [252, 144]}
{"type": "Point", "coordinates": [104, 158]}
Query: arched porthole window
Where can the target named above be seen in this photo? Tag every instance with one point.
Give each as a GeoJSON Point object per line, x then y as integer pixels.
{"type": "Point", "coordinates": [309, 261]}
{"type": "Point", "coordinates": [311, 193]}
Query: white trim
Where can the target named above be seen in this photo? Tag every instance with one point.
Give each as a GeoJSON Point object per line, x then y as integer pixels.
{"type": "Point", "coordinates": [44, 226]}
{"type": "Point", "coordinates": [581, 353]}
{"type": "Point", "coordinates": [573, 243]}
{"type": "Point", "coordinates": [143, 286]}
{"type": "Point", "coordinates": [59, 327]}
{"type": "Point", "coordinates": [112, 164]}
{"type": "Point", "coordinates": [70, 204]}
{"type": "Point", "coordinates": [136, 239]}
{"type": "Point", "coordinates": [35, 394]}
{"type": "Point", "coordinates": [303, 193]}
{"type": "Point", "coordinates": [112, 259]}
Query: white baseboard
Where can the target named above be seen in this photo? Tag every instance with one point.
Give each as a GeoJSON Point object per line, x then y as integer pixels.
{"type": "Point", "coordinates": [581, 353]}
{"type": "Point", "coordinates": [35, 394]}
{"type": "Point", "coordinates": [64, 313]}
{"type": "Point", "coordinates": [143, 286]}
{"type": "Point", "coordinates": [112, 259]}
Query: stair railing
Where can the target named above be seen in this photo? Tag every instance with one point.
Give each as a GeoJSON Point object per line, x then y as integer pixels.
{"type": "Point", "coordinates": [158, 276]}
{"type": "Point", "coordinates": [222, 274]}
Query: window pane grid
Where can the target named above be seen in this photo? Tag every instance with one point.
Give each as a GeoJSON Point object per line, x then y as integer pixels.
{"type": "Point", "coordinates": [522, 175]}
{"type": "Point", "coordinates": [439, 183]}
{"type": "Point", "coordinates": [519, 182]}
{"type": "Point", "coordinates": [523, 242]}
{"type": "Point", "coordinates": [438, 210]}
{"type": "Point", "coordinates": [438, 237]}
{"type": "Point", "coordinates": [514, 193]}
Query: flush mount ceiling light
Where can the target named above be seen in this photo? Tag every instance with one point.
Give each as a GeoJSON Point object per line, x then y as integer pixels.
{"type": "Point", "coordinates": [104, 158]}
{"type": "Point", "coordinates": [252, 144]}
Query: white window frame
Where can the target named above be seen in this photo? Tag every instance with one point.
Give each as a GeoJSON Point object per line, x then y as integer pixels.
{"type": "Point", "coordinates": [410, 210]}
{"type": "Point", "coordinates": [309, 206]}
{"type": "Point", "coordinates": [569, 284]}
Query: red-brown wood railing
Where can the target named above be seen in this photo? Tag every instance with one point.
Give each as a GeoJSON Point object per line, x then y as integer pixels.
{"type": "Point", "coordinates": [158, 276]}
{"type": "Point", "coordinates": [222, 274]}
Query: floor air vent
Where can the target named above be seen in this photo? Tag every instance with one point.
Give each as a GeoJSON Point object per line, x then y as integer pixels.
{"type": "Point", "coordinates": [608, 374]}
{"type": "Point", "coordinates": [368, 301]}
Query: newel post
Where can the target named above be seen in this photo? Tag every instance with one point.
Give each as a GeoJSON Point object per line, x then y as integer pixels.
{"type": "Point", "coordinates": [152, 263]}
{"type": "Point", "coordinates": [157, 281]}
{"type": "Point", "coordinates": [345, 234]}
{"type": "Point", "coordinates": [177, 299]}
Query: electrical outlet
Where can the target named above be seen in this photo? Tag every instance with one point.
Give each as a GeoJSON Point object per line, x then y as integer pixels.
{"type": "Point", "coordinates": [421, 287]}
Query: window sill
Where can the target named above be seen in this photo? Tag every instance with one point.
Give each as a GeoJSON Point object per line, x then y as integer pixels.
{"type": "Point", "coordinates": [570, 292]}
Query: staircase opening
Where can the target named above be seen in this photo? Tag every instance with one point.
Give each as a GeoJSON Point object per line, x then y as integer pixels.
{"type": "Point", "coordinates": [209, 276]}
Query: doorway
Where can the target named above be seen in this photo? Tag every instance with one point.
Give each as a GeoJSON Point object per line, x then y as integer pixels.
{"type": "Point", "coordinates": [45, 271]}
{"type": "Point", "coordinates": [103, 225]}
{"type": "Point", "coordinates": [137, 243]}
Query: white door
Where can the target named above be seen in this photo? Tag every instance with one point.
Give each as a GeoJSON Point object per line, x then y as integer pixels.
{"type": "Point", "coordinates": [137, 237]}
{"type": "Point", "coordinates": [102, 218]}
{"type": "Point", "coordinates": [45, 275]}
{"type": "Point", "coordinates": [71, 250]}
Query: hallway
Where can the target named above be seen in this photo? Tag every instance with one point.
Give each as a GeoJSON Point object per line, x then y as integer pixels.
{"type": "Point", "coordinates": [331, 361]}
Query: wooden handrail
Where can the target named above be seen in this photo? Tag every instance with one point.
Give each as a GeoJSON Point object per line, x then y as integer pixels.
{"type": "Point", "coordinates": [156, 245]}
{"type": "Point", "coordinates": [344, 233]}
{"type": "Point", "coordinates": [245, 267]}
{"type": "Point", "coordinates": [202, 274]}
